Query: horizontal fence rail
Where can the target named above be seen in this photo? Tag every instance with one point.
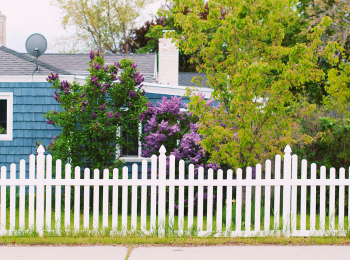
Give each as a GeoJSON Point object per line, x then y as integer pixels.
{"type": "Point", "coordinates": [276, 201]}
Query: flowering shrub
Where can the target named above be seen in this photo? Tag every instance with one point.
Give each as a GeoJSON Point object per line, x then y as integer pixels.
{"type": "Point", "coordinates": [92, 114]}
{"type": "Point", "coordinates": [166, 125]}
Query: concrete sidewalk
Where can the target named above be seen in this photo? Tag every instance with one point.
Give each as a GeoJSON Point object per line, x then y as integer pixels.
{"type": "Point", "coordinates": [62, 252]}
{"type": "Point", "coordinates": [242, 253]}
{"type": "Point", "coordinates": [175, 253]}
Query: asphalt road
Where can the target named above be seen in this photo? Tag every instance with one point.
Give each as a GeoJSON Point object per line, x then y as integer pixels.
{"type": "Point", "coordinates": [176, 253]}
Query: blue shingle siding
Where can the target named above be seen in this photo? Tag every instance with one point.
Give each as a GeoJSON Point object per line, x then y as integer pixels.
{"type": "Point", "coordinates": [158, 98]}
{"type": "Point", "coordinates": [30, 101]}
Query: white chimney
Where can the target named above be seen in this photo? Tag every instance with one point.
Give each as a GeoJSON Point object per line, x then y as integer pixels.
{"type": "Point", "coordinates": [168, 62]}
{"type": "Point", "coordinates": [2, 29]}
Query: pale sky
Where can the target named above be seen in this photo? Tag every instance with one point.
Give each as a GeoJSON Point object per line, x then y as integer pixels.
{"type": "Point", "coordinates": [25, 17]}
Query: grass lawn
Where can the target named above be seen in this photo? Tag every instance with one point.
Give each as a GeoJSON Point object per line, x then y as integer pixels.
{"type": "Point", "coordinates": [81, 239]}
{"type": "Point", "coordinates": [104, 238]}
{"type": "Point", "coordinates": [233, 227]}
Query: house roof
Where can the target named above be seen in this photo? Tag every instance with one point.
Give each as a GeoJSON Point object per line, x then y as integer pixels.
{"type": "Point", "coordinates": [185, 79]}
{"type": "Point", "coordinates": [15, 63]}
{"type": "Point", "coordinates": [77, 63]}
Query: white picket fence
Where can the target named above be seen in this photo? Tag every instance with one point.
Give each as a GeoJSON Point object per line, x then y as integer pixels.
{"type": "Point", "coordinates": [159, 213]}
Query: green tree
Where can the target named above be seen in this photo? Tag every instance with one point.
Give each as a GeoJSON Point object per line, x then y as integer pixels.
{"type": "Point", "coordinates": [102, 24]}
{"type": "Point", "coordinates": [251, 74]}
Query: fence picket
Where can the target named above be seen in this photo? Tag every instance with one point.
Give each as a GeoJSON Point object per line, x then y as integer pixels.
{"type": "Point", "coordinates": [248, 200]}
{"type": "Point", "coordinates": [31, 182]}
{"type": "Point", "coordinates": [22, 194]}
{"type": "Point", "coordinates": [332, 202]}
{"type": "Point", "coordinates": [313, 199]}
{"type": "Point", "coordinates": [294, 194]}
{"type": "Point", "coordinates": [144, 197]}
{"type": "Point", "coordinates": [96, 210]}
{"type": "Point", "coordinates": [277, 192]}
{"type": "Point", "coordinates": [105, 199]}
{"type": "Point", "coordinates": [86, 199]}
{"type": "Point", "coordinates": [200, 200]}
{"type": "Point", "coordinates": [162, 190]}
{"type": "Point", "coordinates": [323, 200]}
{"type": "Point", "coordinates": [190, 197]}
{"type": "Point", "coordinates": [171, 191]}
{"type": "Point", "coordinates": [134, 199]}
{"type": "Point", "coordinates": [287, 165]}
{"type": "Point", "coordinates": [40, 175]}
{"type": "Point", "coordinates": [115, 201]}
{"type": "Point", "coordinates": [210, 202]}
{"type": "Point", "coordinates": [341, 201]}
{"type": "Point", "coordinates": [125, 201]}
{"type": "Point", "coordinates": [57, 198]}
{"type": "Point", "coordinates": [303, 196]}
{"type": "Point", "coordinates": [239, 200]}
{"type": "Point", "coordinates": [12, 198]}
{"type": "Point", "coordinates": [3, 202]}
{"type": "Point", "coordinates": [219, 203]}
{"type": "Point", "coordinates": [67, 188]}
{"type": "Point", "coordinates": [229, 203]}
{"type": "Point", "coordinates": [267, 196]}
{"type": "Point", "coordinates": [77, 200]}
{"type": "Point", "coordinates": [48, 192]}
{"type": "Point", "coordinates": [153, 192]}
{"type": "Point", "coordinates": [181, 223]}
{"type": "Point", "coordinates": [257, 198]}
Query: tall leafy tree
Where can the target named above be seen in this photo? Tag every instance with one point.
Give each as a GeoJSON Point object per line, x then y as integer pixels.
{"type": "Point", "coordinates": [103, 24]}
{"type": "Point", "coordinates": [251, 73]}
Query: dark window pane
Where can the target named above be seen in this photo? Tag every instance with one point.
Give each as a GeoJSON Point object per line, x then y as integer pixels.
{"type": "Point", "coordinates": [3, 116]}
{"type": "Point", "coordinates": [133, 149]}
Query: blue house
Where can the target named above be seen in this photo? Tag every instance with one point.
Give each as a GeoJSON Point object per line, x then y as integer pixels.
{"type": "Point", "coordinates": [25, 95]}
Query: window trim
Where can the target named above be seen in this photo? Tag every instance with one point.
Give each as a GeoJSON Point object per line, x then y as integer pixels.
{"type": "Point", "coordinates": [139, 158]}
{"type": "Point", "coordinates": [9, 97]}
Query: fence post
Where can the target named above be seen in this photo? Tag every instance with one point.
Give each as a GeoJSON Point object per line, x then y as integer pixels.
{"type": "Point", "coordinates": [40, 190]}
{"type": "Point", "coordinates": [287, 171]}
{"type": "Point", "coordinates": [162, 193]}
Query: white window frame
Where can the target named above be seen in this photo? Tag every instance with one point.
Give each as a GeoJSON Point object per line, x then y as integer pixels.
{"type": "Point", "coordinates": [9, 127]}
{"type": "Point", "coordinates": [132, 158]}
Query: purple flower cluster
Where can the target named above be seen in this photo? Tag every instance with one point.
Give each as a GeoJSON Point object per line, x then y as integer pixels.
{"type": "Point", "coordinates": [103, 107]}
{"type": "Point", "coordinates": [56, 96]}
{"type": "Point", "coordinates": [50, 122]}
{"type": "Point", "coordinates": [109, 114]}
{"type": "Point", "coordinates": [138, 78]}
{"type": "Point", "coordinates": [132, 94]}
{"type": "Point", "coordinates": [84, 104]}
{"type": "Point", "coordinates": [52, 77]}
{"type": "Point", "coordinates": [97, 66]}
{"type": "Point", "coordinates": [65, 86]}
{"type": "Point", "coordinates": [92, 55]}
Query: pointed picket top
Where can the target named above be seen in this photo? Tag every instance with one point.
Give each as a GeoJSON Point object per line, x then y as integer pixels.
{"type": "Point", "coordinates": [162, 150]}
{"type": "Point", "coordinates": [41, 150]}
{"type": "Point", "coordinates": [287, 150]}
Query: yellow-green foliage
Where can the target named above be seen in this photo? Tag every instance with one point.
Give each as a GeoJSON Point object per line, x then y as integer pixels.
{"type": "Point", "coordinates": [251, 72]}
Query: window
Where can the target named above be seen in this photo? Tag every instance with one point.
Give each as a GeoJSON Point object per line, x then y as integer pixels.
{"type": "Point", "coordinates": [6, 116]}
{"type": "Point", "coordinates": [129, 136]}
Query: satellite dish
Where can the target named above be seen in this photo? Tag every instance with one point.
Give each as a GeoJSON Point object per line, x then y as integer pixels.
{"type": "Point", "coordinates": [36, 45]}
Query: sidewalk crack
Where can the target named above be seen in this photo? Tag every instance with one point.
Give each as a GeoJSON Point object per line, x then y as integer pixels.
{"type": "Point", "coordinates": [129, 252]}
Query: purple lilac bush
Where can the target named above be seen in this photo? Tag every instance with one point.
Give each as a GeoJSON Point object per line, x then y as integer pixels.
{"type": "Point", "coordinates": [90, 115]}
{"type": "Point", "coordinates": [167, 125]}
